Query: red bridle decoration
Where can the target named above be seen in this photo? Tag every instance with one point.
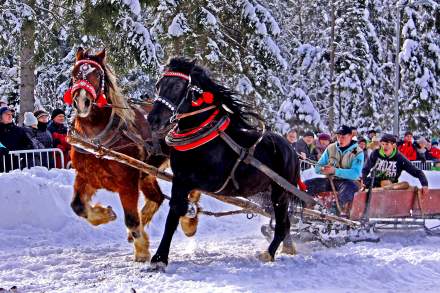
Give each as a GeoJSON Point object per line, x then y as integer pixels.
{"type": "Point", "coordinates": [206, 97]}
{"type": "Point", "coordinates": [101, 100]}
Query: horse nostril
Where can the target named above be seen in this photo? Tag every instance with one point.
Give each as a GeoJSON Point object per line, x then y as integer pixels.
{"type": "Point", "coordinates": [87, 103]}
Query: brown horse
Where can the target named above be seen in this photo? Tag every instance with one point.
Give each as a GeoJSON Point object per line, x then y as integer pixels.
{"type": "Point", "coordinates": [104, 117]}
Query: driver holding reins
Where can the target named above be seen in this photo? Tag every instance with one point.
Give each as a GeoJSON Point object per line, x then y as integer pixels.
{"type": "Point", "coordinates": [342, 162]}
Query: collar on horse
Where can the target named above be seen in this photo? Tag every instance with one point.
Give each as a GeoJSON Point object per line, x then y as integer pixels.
{"type": "Point", "coordinates": [206, 131]}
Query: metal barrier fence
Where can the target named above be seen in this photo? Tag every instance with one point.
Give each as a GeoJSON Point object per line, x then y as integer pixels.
{"type": "Point", "coordinates": [422, 165]}
{"type": "Point", "coordinates": [425, 165]}
{"type": "Point", "coordinates": [49, 158]}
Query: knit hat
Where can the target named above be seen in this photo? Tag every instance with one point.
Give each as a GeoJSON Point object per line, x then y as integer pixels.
{"type": "Point", "coordinates": [40, 113]}
{"type": "Point", "coordinates": [324, 136]}
{"type": "Point", "coordinates": [388, 138]}
{"type": "Point", "coordinates": [4, 109]}
{"type": "Point", "coordinates": [422, 140]}
{"type": "Point", "coordinates": [29, 119]}
{"type": "Point", "coordinates": [56, 112]}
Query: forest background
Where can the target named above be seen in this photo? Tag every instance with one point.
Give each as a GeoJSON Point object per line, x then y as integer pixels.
{"type": "Point", "coordinates": [310, 64]}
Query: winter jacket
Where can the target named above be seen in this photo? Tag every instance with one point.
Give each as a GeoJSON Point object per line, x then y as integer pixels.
{"type": "Point", "coordinates": [390, 168]}
{"type": "Point", "coordinates": [309, 150]}
{"type": "Point", "coordinates": [32, 134]}
{"type": "Point", "coordinates": [14, 137]}
{"type": "Point", "coordinates": [408, 150]}
{"type": "Point", "coordinates": [319, 149]}
{"type": "Point", "coordinates": [348, 163]}
{"type": "Point", "coordinates": [59, 136]}
{"type": "Point", "coordinates": [433, 154]}
{"type": "Point", "coordinates": [44, 136]}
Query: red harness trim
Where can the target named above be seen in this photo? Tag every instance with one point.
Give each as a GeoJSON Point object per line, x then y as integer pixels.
{"type": "Point", "coordinates": [84, 84]}
{"type": "Point", "coordinates": [204, 123]}
{"type": "Point", "coordinates": [205, 139]}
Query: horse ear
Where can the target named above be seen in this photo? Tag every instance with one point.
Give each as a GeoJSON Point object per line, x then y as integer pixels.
{"type": "Point", "coordinates": [101, 56]}
{"type": "Point", "coordinates": [80, 54]}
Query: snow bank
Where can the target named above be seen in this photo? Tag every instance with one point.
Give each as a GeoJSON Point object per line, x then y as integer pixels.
{"type": "Point", "coordinates": [36, 202]}
{"type": "Point", "coordinates": [45, 247]}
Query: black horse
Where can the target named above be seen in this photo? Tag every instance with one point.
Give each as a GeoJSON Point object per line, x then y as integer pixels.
{"type": "Point", "coordinates": [201, 160]}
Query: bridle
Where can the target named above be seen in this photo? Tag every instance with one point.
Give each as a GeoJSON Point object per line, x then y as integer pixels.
{"type": "Point", "coordinates": [206, 97]}
{"type": "Point", "coordinates": [80, 81]}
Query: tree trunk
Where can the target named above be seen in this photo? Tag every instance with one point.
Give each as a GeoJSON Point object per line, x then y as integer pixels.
{"type": "Point", "coordinates": [27, 65]}
{"type": "Point", "coordinates": [331, 113]}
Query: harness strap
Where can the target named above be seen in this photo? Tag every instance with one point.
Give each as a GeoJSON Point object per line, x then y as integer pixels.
{"type": "Point", "coordinates": [184, 115]}
{"type": "Point", "coordinates": [282, 182]}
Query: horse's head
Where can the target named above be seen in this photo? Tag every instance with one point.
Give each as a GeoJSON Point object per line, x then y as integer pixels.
{"type": "Point", "coordinates": [88, 83]}
{"type": "Point", "coordinates": [178, 91]}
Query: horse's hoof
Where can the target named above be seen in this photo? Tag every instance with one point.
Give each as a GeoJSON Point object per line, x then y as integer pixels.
{"type": "Point", "coordinates": [189, 225]}
{"type": "Point", "coordinates": [142, 258]}
{"type": "Point", "coordinates": [265, 257]}
{"type": "Point", "coordinates": [157, 267]}
{"type": "Point", "coordinates": [289, 249]}
{"type": "Point", "coordinates": [112, 213]}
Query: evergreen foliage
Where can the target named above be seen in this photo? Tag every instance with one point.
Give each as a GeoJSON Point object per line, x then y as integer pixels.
{"type": "Point", "coordinates": [275, 54]}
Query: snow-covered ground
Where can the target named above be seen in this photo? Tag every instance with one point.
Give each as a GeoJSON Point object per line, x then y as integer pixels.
{"type": "Point", "coordinates": [44, 247]}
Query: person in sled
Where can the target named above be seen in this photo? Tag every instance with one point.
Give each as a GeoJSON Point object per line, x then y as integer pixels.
{"type": "Point", "coordinates": [342, 162]}
{"type": "Point", "coordinates": [388, 164]}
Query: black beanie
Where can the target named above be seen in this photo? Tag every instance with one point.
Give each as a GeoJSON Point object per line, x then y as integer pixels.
{"type": "Point", "coordinates": [56, 112]}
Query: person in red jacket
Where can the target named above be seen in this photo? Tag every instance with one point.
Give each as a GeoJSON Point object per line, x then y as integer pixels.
{"type": "Point", "coordinates": [407, 148]}
{"type": "Point", "coordinates": [433, 153]}
{"type": "Point", "coordinates": [59, 134]}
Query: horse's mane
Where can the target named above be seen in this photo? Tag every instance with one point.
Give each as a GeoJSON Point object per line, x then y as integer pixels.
{"type": "Point", "coordinates": [200, 76]}
{"type": "Point", "coordinates": [113, 92]}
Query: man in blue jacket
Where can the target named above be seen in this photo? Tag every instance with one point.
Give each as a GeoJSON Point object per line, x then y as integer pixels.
{"type": "Point", "coordinates": [342, 160]}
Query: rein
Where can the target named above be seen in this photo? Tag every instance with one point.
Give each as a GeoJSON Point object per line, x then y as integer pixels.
{"type": "Point", "coordinates": [281, 181]}
{"type": "Point", "coordinates": [184, 115]}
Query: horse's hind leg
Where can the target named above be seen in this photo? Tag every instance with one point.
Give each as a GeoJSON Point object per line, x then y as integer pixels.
{"type": "Point", "coordinates": [189, 222]}
{"type": "Point", "coordinates": [153, 197]}
{"type": "Point", "coordinates": [83, 193]}
{"type": "Point", "coordinates": [280, 202]}
{"type": "Point", "coordinates": [129, 196]}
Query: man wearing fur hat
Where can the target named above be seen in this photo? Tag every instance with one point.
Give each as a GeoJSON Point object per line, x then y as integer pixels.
{"type": "Point", "coordinates": [388, 164]}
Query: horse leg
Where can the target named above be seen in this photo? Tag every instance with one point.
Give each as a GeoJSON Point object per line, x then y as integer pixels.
{"type": "Point", "coordinates": [178, 208]}
{"type": "Point", "coordinates": [83, 193]}
{"type": "Point", "coordinates": [280, 202]}
{"type": "Point", "coordinates": [153, 198]}
{"type": "Point", "coordinates": [189, 222]}
{"type": "Point", "coordinates": [129, 196]}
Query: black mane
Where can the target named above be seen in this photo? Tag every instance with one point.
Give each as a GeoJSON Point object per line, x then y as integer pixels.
{"type": "Point", "coordinates": [200, 76]}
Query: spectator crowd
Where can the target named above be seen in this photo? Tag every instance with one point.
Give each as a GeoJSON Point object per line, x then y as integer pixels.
{"type": "Point", "coordinates": [310, 146]}
{"type": "Point", "coordinates": [40, 130]}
